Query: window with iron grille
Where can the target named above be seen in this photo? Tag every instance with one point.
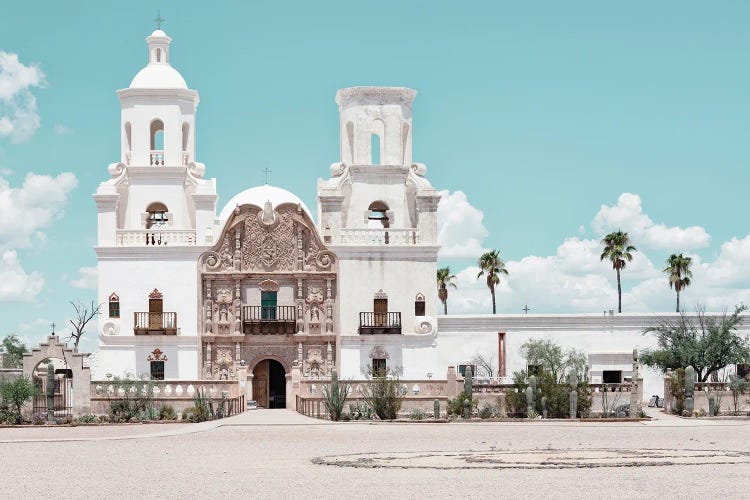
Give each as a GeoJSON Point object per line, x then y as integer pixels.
{"type": "Point", "coordinates": [157, 370]}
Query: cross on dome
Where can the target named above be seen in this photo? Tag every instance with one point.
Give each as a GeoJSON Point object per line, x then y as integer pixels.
{"type": "Point", "coordinates": [158, 20]}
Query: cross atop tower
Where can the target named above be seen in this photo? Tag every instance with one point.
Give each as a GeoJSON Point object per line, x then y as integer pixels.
{"type": "Point", "coordinates": [266, 171]}
{"type": "Point", "coordinates": [158, 19]}
{"type": "Point", "coordinates": [526, 309]}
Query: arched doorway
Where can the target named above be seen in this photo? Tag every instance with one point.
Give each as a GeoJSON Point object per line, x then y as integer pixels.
{"type": "Point", "coordinates": [269, 384]}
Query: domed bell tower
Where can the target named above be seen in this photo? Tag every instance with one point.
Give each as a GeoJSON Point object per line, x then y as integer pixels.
{"type": "Point", "coordinates": [378, 213]}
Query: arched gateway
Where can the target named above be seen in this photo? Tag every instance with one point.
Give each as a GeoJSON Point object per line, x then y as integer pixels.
{"type": "Point", "coordinates": [268, 296]}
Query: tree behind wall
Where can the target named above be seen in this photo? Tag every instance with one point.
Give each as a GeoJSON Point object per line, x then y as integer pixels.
{"type": "Point", "coordinates": [548, 354]}
{"type": "Point", "coordinates": [707, 343]}
{"type": "Point", "coordinates": [12, 351]}
{"type": "Point", "coordinates": [83, 316]}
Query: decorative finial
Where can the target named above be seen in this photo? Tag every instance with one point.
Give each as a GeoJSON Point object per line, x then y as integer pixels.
{"type": "Point", "coordinates": [266, 171]}
{"type": "Point", "coordinates": [158, 20]}
{"type": "Point", "coordinates": [53, 328]}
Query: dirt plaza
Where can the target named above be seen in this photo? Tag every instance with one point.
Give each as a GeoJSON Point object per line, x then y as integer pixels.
{"type": "Point", "coordinates": [281, 454]}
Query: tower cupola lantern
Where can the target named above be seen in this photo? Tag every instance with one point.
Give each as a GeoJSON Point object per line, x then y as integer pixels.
{"type": "Point", "coordinates": [158, 112]}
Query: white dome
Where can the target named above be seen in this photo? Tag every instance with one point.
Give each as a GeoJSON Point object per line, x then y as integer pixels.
{"type": "Point", "coordinates": [158, 76]}
{"type": "Point", "coordinates": [258, 196]}
{"type": "Point", "coordinates": [158, 33]}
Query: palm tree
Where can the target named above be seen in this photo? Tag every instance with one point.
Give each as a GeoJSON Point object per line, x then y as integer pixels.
{"type": "Point", "coordinates": [492, 266]}
{"type": "Point", "coordinates": [678, 269]}
{"type": "Point", "coordinates": [444, 280]}
{"type": "Point", "coordinates": [619, 251]}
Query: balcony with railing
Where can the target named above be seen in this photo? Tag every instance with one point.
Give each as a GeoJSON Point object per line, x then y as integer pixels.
{"type": "Point", "coordinates": [380, 236]}
{"type": "Point", "coordinates": [374, 323]}
{"type": "Point", "coordinates": [155, 237]}
{"type": "Point", "coordinates": [156, 158]}
{"type": "Point", "coordinates": [155, 323]}
{"type": "Point", "coordinates": [277, 320]}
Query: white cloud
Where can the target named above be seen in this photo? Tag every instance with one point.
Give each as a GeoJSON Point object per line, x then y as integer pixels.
{"type": "Point", "coordinates": [16, 285]}
{"type": "Point", "coordinates": [460, 228]}
{"type": "Point", "coordinates": [87, 278]}
{"type": "Point", "coordinates": [628, 216]}
{"type": "Point", "coordinates": [18, 115]}
{"type": "Point", "coordinates": [575, 280]}
{"type": "Point", "coordinates": [33, 206]}
{"type": "Point", "coordinates": [62, 130]}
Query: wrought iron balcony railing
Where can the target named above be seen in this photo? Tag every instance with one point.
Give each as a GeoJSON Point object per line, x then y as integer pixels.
{"type": "Point", "coordinates": [152, 323]}
{"type": "Point", "coordinates": [277, 320]}
{"type": "Point", "coordinates": [373, 323]}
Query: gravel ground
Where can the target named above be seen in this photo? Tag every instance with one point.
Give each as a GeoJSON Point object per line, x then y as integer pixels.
{"type": "Point", "coordinates": [270, 453]}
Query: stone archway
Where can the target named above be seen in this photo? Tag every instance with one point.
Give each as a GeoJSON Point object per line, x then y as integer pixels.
{"type": "Point", "coordinates": [269, 383]}
{"type": "Point", "coordinates": [77, 377]}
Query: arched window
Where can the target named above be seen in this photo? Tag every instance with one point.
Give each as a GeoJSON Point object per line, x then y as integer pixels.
{"type": "Point", "coordinates": [114, 306]}
{"type": "Point", "coordinates": [157, 215]}
{"type": "Point", "coordinates": [185, 134]}
{"type": "Point", "coordinates": [128, 136]}
{"type": "Point", "coordinates": [378, 216]}
{"type": "Point", "coordinates": [158, 55]}
{"type": "Point", "coordinates": [157, 142]}
{"type": "Point", "coordinates": [419, 307]}
{"type": "Point", "coordinates": [374, 149]}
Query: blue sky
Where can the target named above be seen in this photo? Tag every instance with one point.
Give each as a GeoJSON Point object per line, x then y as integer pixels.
{"type": "Point", "coordinates": [538, 115]}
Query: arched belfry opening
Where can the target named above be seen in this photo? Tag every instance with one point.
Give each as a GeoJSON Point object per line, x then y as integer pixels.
{"type": "Point", "coordinates": [157, 142]}
{"type": "Point", "coordinates": [378, 215]}
{"type": "Point", "coordinates": [374, 149]}
{"type": "Point", "coordinates": [157, 215]}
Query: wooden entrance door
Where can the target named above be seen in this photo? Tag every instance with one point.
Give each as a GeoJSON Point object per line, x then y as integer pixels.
{"type": "Point", "coordinates": [260, 383]}
{"type": "Point", "coordinates": [380, 310]}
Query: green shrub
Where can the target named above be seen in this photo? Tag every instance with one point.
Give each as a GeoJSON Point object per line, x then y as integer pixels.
{"type": "Point", "coordinates": [334, 397]}
{"type": "Point", "coordinates": [360, 411]}
{"type": "Point", "coordinates": [384, 394]}
{"type": "Point", "coordinates": [487, 411]}
{"type": "Point", "coordinates": [166, 412]}
{"type": "Point", "coordinates": [676, 384]}
{"type": "Point", "coordinates": [417, 414]}
{"type": "Point", "coordinates": [515, 399]}
{"type": "Point", "coordinates": [203, 408]}
{"type": "Point", "coordinates": [13, 396]}
{"type": "Point", "coordinates": [132, 399]}
{"type": "Point", "coordinates": [455, 406]}
{"type": "Point", "coordinates": [87, 418]}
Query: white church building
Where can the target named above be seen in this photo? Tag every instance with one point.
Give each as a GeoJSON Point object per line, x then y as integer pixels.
{"type": "Point", "coordinates": [194, 291]}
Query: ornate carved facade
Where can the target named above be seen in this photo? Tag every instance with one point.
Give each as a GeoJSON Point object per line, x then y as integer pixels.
{"type": "Point", "coordinates": [268, 291]}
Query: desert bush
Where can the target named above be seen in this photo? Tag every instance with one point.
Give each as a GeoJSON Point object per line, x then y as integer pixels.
{"type": "Point", "coordinates": [202, 410]}
{"type": "Point", "coordinates": [417, 414]}
{"type": "Point", "coordinates": [384, 394]}
{"type": "Point", "coordinates": [515, 400]}
{"type": "Point", "coordinates": [455, 406]}
{"type": "Point", "coordinates": [676, 385]}
{"type": "Point", "coordinates": [487, 411]}
{"type": "Point", "coordinates": [131, 399]}
{"type": "Point", "coordinates": [87, 418]}
{"type": "Point", "coordinates": [13, 397]}
{"type": "Point", "coordinates": [166, 412]}
{"type": "Point", "coordinates": [738, 386]}
{"type": "Point", "coordinates": [334, 397]}
{"type": "Point", "coordinates": [360, 411]}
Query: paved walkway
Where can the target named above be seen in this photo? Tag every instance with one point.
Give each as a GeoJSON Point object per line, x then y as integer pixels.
{"type": "Point", "coordinates": [262, 417]}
